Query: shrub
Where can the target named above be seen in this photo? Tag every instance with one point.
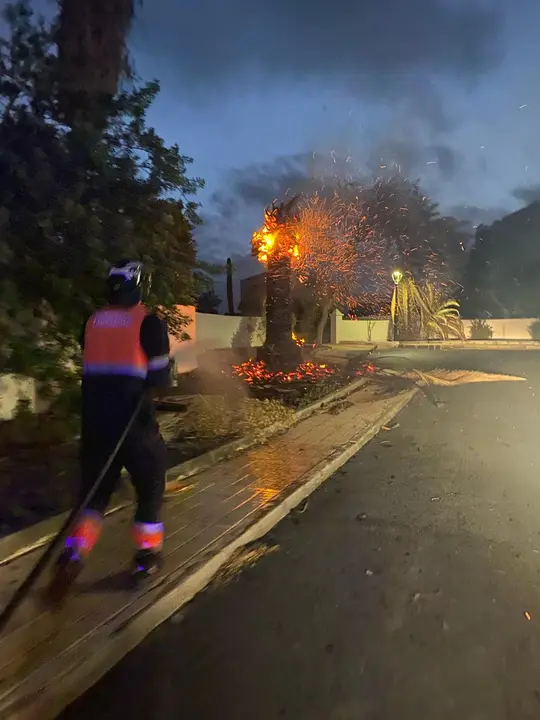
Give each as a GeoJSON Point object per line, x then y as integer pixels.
{"type": "Point", "coordinates": [534, 330]}
{"type": "Point", "coordinates": [480, 330]}
{"type": "Point", "coordinates": [216, 416]}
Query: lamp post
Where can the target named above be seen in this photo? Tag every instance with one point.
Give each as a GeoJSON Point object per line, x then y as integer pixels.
{"type": "Point", "coordinates": [397, 277]}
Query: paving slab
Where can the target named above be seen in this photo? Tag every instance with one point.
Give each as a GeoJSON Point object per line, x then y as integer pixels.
{"type": "Point", "coordinates": [47, 659]}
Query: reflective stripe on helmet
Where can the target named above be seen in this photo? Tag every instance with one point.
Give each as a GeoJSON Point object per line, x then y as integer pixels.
{"type": "Point", "coordinates": [129, 271]}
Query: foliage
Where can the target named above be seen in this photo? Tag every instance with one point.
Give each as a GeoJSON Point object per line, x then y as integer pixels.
{"type": "Point", "coordinates": [480, 330]}
{"type": "Point", "coordinates": [411, 234]}
{"type": "Point", "coordinates": [216, 416]}
{"type": "Point", "coordinates": [29, 429]}
{"type": "Point", "coordinates": [439, 316]}
{"type": "Point", "coordinates": [74, 199]}
{"type": "Point", "coordinates": [534, 330]}
{"type": "Point", "coordinates": [423, 311]}
{"type": "Point", "coordinates": [501, 279]}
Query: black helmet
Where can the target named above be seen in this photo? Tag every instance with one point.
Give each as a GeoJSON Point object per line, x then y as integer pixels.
{"type": "Point", "coordinates": [125, 282]}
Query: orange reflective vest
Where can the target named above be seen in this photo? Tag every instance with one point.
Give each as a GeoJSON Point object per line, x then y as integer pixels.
{"type": "Point", "coordinates": [112, 344]}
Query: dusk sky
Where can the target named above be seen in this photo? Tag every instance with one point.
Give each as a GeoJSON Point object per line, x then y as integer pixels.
{"type": "Point", "coordinates": [447, 90]}
{"type": "Point", "coordinates": [261, 93]}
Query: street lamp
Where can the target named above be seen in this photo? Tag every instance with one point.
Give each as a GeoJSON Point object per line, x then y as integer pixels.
{"type": "Point", "coordinates": [397, 277]}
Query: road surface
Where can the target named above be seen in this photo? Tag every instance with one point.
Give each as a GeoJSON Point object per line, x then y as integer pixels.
{"type": "Point", "coordinates": [408, 589]}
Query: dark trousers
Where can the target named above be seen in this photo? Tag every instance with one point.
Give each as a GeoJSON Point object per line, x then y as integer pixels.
{"type": "Point", "coordinates": [142, 455]}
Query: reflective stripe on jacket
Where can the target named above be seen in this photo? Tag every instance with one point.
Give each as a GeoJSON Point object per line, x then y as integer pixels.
{"type": "Point", "coordinates": [112, 344]}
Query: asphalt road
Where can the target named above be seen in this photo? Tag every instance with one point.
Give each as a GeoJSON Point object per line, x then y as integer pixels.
{"type": "Point", "coordinates": [409, 588]}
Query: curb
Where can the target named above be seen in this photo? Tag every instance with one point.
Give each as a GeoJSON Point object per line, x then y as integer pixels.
{"type": "Point", "coordinates": [25, 541]}
{"type": "Point", "coordinates": [51, 690]}
{"type": "Point", "coordinates": [472, 345]}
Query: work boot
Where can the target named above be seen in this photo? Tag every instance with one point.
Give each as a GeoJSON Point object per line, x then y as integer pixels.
{"type": "Point", "coordinates": [146, 563]}
{"type": "Point", "coordinates": [79, 544]}
{"type": "Point", "coordinates": [148, 541]}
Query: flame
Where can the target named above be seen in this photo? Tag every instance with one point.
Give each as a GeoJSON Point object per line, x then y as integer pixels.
{"type": "Point", "coordinates": [263, 242]}
{"type": "Point", "coordinates": [298, 340]}
{"type": "Point", "coordinates": [269, 240]}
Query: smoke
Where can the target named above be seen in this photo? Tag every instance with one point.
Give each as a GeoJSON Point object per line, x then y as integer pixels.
{"type": "Point", "coordinates": [411, 159]}
{"type": "Point", "coordinates": [527, 194]}
{"type": "Point", "coordinates": [255, 186]}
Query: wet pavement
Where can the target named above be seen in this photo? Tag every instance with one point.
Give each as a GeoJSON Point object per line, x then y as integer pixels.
{"type": "Point", "coordinates": [49, 658]}
{"type": "Point", "coordinates": [409, 586]}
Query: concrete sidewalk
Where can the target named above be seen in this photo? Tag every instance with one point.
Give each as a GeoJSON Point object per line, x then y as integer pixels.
{"type": "Point", "coordinates": [44, 663]}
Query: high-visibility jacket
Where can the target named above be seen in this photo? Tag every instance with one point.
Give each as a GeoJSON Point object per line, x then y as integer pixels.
{"type": "Point", "coordinates": [112, 344]}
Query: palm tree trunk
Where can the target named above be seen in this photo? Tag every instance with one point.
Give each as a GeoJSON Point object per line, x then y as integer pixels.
{"type": "Point", "coordinates": [279, 350]}
{"type": "Point", "coordinates": [321, 325]}
{"type": "Point", "coordinates": [230, 296]}
{"type": "Point", "coordinates": [92, 53]}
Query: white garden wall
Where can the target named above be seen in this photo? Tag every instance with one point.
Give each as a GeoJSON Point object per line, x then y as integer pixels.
{"type": "Point", "coordinates": [380, 329]}
{"type": "Point", "coordinates": [505, 329]}
{"type": "Point", "coordinates": [361, 330]}
{"type": "Point", "coordinates": [224, 331]}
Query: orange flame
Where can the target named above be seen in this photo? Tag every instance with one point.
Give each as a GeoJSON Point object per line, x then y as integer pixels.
{"type": "Point", "coordinates": [273, 238]}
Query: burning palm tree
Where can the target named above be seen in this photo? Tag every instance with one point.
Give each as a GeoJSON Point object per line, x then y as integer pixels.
{"type": "Point", "coordinates": [92, 53]}
{"type": "Point", "coordinates": [276, 244]}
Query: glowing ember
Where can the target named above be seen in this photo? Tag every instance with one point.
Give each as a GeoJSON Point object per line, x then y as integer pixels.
{"type": "Point", "coordinates": [298, 340]}
{"type": "Point", "coordinates": [254, 372]}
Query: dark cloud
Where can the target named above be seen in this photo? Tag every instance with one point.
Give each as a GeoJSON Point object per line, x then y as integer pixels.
{"type": "Point", "coordinates": [386, 47]}
{"type": "Point", "coordinates": [527, 194]}
{"type": "Point", "coordinates": [260, 184]}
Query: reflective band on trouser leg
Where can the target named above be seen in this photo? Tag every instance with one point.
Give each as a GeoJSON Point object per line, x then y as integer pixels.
{"type": "Point", "coordinates": [85, 533]}
{"type": "Point", "coordinates": [148, 536]}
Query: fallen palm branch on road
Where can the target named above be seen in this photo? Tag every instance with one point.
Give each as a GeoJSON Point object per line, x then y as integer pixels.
{"type": "Point", "coordinates": [448, 378]}
{"type": "Point", "coordinates": [390, 380]}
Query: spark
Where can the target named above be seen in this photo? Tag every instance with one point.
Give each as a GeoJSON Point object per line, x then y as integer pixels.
{"type": "Point", "coordinates": [342, 247]}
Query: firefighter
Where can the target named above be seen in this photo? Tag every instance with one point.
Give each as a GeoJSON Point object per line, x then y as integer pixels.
{"type": "Point", "coordinates": [125, 359]}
